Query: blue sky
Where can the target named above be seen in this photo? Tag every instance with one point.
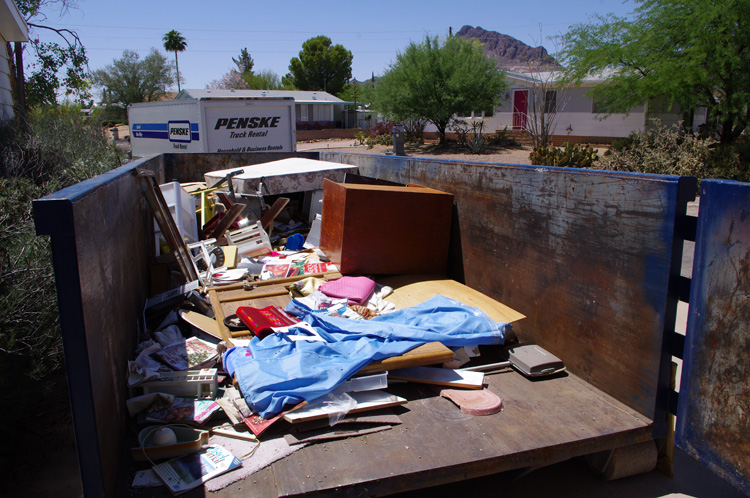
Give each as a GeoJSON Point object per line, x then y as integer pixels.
{"type": "Point", "coordinates": [273, 32]}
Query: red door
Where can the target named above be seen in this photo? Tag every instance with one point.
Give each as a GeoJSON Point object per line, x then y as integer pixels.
{"type": "Point", "coordinates": [520, 107]}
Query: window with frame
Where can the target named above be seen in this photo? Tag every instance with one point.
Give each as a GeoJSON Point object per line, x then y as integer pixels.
{"type": "Point", "coordinates": [550, 101]}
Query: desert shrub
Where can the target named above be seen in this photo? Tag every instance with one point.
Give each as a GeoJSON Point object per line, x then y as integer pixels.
{"type": "Point", "coordinates": [56, 148]}
{"type": "Point", "coordinates": [576, 156]}
{"type": "Point", "coordinates": [662, 150]}
{"type": "Point", "coordinates": [413, 130]}
{"type": "Point", "coordinates": [476, 143]}
{"type": "Point", "coordinates": [470, 136]}
{"type": "Point", "coordinates": [500, 139]}
{"type": "Point", "coordinates": [382, 128]}
{"type": "Point", "coordinates": [360, 137]}
{"type": "Point", "coordinates": [461, 129]}
{"type": "Point", "coordinates": [731, 162]}
{"type": "Point", "coordinates": [381, 133]}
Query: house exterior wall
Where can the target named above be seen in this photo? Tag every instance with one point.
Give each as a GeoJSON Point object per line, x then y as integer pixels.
{"type": "Point", "coordinates": [317, 115]}
{"type": "Point", "coordinates": [575, 111]}
{"type": "Point", "coordinates": [12, 29]}
{"type": "Point", "coordinates": [575, 120]}
{"type": "Point", "coordinates": [6, 93]}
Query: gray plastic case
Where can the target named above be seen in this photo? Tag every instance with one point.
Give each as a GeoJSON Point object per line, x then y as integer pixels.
{"type": "Point", "coordinates": [534, 361]}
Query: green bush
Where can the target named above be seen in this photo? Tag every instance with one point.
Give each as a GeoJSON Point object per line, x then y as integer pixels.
{"type": "Point", "coordinates": [414, 130]}
{"type": "Point", "coordinates": [662, 150]}
{"type": "Point", "coordinates": [500, 139]}
{"type": "Point", "coordinates": [670, 151]}
{"type": "Point", "coordinates": [576, 156]}
{"type": "Point", "coordinates": [56, 148]}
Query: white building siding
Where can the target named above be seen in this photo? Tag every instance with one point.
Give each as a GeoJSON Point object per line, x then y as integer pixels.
{"type": "Point", "coordinates": [6, 94]}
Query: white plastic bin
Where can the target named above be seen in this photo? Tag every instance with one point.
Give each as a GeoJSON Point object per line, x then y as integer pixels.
{"type": "Point", "coordinates": [182, 206]}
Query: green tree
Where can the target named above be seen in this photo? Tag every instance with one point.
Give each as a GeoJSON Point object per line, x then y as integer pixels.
{"type": "Point", "coordinates": [130, 80]}
{"type": "Point", "coordinates": [244, 62]}
{"type": "Point", "coordinates": [264, 80]}
{"type": "Point", "coordinates": [320, 66]}
{"type": "Point", "coordinates": [434, 81]}
{"type": "Point", "coordinates": [693, 53]}
{"type": "Point", "coordinates": [57, 67]}
{"type": "Point", "coordinates": [175, 42]}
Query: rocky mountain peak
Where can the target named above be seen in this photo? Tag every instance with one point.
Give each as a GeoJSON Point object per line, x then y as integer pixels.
{"type": "Point", "coordinates": [509, 52]}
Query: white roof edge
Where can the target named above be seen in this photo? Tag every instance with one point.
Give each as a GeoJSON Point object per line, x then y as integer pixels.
{"type": "Point", "coordinates": [12, 24]}
{"type": "Point", "coordinates": [528, 77]}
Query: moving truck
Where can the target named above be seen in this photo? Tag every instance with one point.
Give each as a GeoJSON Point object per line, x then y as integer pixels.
{"type": "Point", "coordinates": [213, 125]}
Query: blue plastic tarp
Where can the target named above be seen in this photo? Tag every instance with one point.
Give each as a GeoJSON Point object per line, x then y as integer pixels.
{"type": "Point", "coordinates": [278, 371]}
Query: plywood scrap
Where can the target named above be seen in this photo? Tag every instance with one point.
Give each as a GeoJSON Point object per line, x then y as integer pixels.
{"type": "Point", "coordinates": [439, 376]}
{"type": "Point", "coordinates": [483, 402]}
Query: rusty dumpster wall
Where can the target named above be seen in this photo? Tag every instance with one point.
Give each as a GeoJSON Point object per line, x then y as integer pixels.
{"type": "Point", "coordinates": [100, 234]}
{"type": "Point", "coordinates": [714, 402]}
{"type": "Point", "coordinates": [587, 256]}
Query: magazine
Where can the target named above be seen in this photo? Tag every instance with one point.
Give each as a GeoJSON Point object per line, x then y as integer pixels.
{"type": "Point", "coordinates": [193, 354]}
{"type": "Point", "coordinates": [315, 268]}
{"type": "Point", "coordinates": [185, 410]}
{"type": "Point", "coordinates": [187, 472]}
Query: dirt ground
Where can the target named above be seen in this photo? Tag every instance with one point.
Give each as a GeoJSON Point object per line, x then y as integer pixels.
{"type": "Point", "coordinates": [504, 155]}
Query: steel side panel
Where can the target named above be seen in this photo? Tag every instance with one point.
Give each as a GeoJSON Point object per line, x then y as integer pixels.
{"type": "Point", "coordinates": [713, 415]}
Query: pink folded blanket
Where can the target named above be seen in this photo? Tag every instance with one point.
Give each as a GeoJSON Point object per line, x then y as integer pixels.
{"type": "Point", "coordinates": [356, 289]}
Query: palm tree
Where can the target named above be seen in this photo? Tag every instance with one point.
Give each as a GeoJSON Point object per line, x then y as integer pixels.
{"type": "Point", "coordinates": [175, 42]}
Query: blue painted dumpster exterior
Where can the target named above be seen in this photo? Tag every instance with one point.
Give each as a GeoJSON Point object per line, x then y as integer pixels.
{"type": "Point", "coordinates": [713, 416]}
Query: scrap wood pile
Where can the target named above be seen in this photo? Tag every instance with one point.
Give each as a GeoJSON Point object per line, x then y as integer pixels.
{"type": "Point", "coordinates": [266, 347]}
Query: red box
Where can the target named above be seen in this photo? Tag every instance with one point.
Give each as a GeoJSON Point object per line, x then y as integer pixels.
{"type": "Point", "coordinates": [374, 229]}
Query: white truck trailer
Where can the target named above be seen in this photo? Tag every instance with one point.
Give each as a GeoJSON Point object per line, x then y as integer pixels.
{"type": "Point", "coordinates": [213, 125]}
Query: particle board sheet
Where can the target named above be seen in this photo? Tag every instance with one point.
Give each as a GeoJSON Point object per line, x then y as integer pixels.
{"type": "Point", "coordinates": [410, 290]}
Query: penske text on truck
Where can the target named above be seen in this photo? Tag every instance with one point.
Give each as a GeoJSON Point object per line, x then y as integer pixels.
{"type": "Point", "coordinates": [213, 125]}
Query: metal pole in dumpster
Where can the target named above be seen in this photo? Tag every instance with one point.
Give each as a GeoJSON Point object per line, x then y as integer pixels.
{"type": "Point", "coordinates": [398, 140]}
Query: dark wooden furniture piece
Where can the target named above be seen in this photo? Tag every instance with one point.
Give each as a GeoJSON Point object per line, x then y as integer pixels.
{"type": "Point", "coordinates": [377, 229]}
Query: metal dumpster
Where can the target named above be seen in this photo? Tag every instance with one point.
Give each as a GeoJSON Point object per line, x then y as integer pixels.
{"type": "Point", "coordinates": [591, 258]}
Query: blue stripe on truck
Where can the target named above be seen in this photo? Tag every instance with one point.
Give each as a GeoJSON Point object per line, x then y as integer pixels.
{"type": "Point", "coordinates": [161, 131]}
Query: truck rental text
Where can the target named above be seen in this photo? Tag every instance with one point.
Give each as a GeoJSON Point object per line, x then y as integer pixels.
{"type": "Point", "coordinates": [254, 122]}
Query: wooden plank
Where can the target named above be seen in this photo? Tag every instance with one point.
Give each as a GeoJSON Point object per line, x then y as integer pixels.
{"type": "Point", "coordinates": [273, 212]}
{"type": "Point", "coordinates": [234, 212]}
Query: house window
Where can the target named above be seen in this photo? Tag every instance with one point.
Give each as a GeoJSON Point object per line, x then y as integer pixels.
{"type": "Point", "coordinates": [475, 114]}
{"type": "Point", "coordinates": [550, 102]}
{"type": "Point", "coordinates": [301, 112]}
